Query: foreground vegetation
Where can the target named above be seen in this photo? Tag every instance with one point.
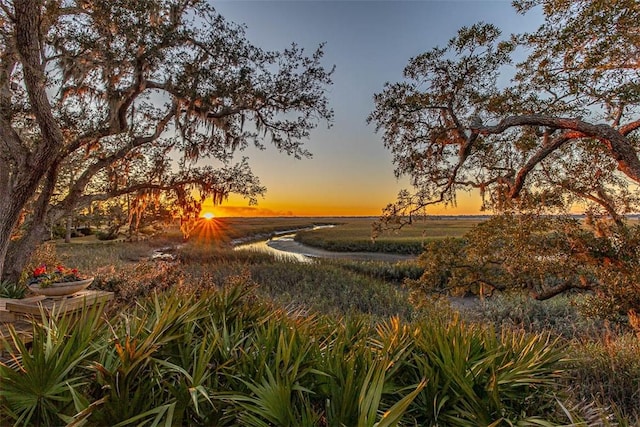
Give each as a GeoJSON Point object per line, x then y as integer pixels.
{"type": "Point", "coordinates": [227, 358]}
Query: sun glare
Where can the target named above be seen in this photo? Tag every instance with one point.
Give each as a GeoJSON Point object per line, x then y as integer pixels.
{"type": "Point", "coordinates": [208, 215]}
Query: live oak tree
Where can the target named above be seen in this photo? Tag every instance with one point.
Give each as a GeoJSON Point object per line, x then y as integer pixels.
{"type": "Point", "coordinates": [545, 255]}
{"type": "Point", "coordinates": [561, 134]}
{"type": "Point", "coordinates": [99, 99]}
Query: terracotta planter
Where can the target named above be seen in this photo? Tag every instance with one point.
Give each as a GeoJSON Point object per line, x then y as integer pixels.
{"type": "Point", "coordinates": [62, 289]}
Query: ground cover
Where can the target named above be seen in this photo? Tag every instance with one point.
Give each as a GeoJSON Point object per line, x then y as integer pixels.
{"type": "Point", "coordinates": [354, 235]}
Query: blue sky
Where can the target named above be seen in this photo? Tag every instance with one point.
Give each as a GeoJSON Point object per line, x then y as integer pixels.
{"type": "Point", "coordinates": [369, 42]}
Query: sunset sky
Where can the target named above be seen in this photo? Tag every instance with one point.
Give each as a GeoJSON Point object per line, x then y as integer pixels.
{"type": "Point", "coordinates": [369, 42]}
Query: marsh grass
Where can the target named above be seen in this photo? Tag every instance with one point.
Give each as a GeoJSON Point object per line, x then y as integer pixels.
{"type": "Point", "coordinates": [561, 315]}
{"type": "Point", "coordinates": [608, 371]}
{"type": "Point", "coordinates": [395, 272]}
{"type": "Point", "coordinates": [323, 287]}
{"type": "Point", "coordinates": [89, 254]}
{"type": "Point", "coordinates": [91, 257]}
{"type": "Point", "coordinates": [225, 230]}
{"type": "Point", "coordinates": [330, 289]}
{"type": "Point", "coordinates": [354, 235]}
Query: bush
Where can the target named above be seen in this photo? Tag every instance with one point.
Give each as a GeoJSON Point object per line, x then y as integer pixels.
{"type": "Point", "coordinates": [84, 231]}
{"type": "Point", "coordinates": [544, 256]}
{"type": "Point", "coordinates": [184, 359]}
{"type": "Point", "coordinates": [138, 281]}
{"type": "Point", "coordinates": [58, 232]}
{"type": "Point", "coordinates": [476, 377]}
{"type": "Point", "coordinates": [101, 235]}
{"type": "Point", "coordinates": [12, 290]}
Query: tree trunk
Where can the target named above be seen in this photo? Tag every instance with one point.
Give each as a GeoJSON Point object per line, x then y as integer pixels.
{"type": "Point", "coordinates": [10, 211]}
{"type": "Point", "coordinates": [21, 184]}
{"type": "Point", "coordinates": [20, 251]}
{"type": "Point", "coordinates": [8, 218]}
{"type": "Point", "coordinates": [67, 234]}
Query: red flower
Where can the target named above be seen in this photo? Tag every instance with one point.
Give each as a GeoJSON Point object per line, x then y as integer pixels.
{"type": "Point", "coordinates": [60, 274]}
{"type": "Point", "coordinates": [40, 270]}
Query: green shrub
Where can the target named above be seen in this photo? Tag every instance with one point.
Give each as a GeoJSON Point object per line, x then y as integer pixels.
{"type": "Point", "coordinates": [85, 231]}
{"type": "Point", "coordinates": [102, 235]}
{"type": "Point", "coordinates": [58, 232]}
{"type": "Point", "coordinates": [476, 377]}
{"type": "Point", "coordinates": [225, 357]}
{"type": "Point", "coordinates": [41, 384]}
{"type": "Point", "coordinates": [545, 256]}
{"type": "Point", "coordinates": [12, 290]}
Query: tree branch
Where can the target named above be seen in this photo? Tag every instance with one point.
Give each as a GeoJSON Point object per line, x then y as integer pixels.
{"type": "Point", "coordinates": [602, 199]}
{"type": "Point", "coordinates": [538, 157]}
{"type": "Point", "coordinates": [563, 287]}
{"type": "Point", "coordinates": [79, 186]}
{"type": "Point", "coordinates": [629, 127]}
{"type": "Point", "coordinates": [619, 147]}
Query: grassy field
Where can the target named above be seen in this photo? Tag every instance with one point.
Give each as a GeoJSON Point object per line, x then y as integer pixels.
{"type": "Point", "coordinates": [349, 234]}
{"type": "Point", "coordinates": [354, 235]}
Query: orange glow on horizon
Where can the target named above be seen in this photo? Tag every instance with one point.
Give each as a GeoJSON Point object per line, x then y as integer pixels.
{"type": "Point", "coordinates": [208, 216]}
{"type": "Point", "coordinates": [285, 206]}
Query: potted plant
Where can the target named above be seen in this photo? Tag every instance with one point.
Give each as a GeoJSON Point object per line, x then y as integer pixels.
{"type": "Point", "coordinates": [61, 281]}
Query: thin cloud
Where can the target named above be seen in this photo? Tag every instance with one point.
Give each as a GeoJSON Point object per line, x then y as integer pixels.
{"type": "Point", "coordinates": [249, 211]}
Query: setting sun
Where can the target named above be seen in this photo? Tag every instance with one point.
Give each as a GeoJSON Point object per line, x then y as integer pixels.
{"type": "Point", "coordinates": [208, 215]}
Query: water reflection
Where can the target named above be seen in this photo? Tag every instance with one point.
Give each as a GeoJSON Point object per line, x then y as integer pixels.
{"type": "Point", "coordinates": [281, 241]}
{"type": "Point", "coordinates": [263, 246]}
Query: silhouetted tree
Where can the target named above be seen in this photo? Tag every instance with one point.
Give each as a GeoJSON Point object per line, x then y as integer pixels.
{"type": "Point", "coordinates": [562, 134]}
{"type": "Point", "coordinates": [106, 98]}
